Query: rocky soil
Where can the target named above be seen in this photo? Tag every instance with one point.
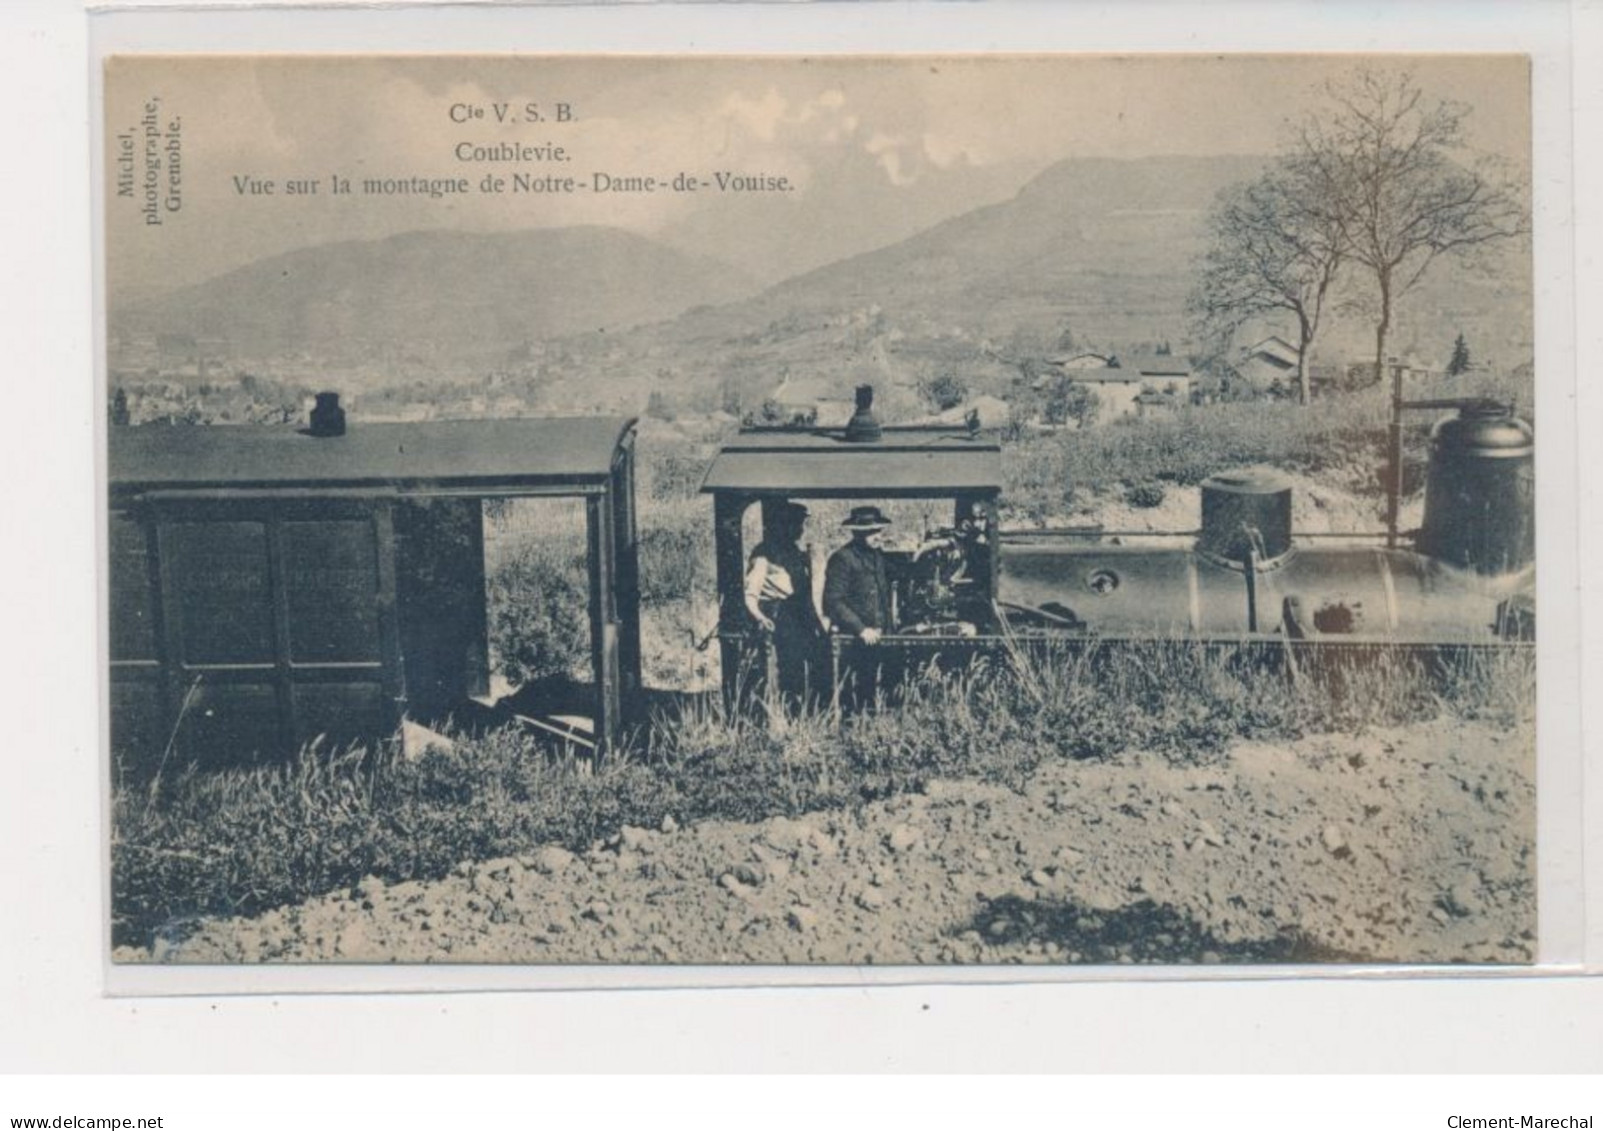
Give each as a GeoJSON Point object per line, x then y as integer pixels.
{"type": "Point", "coordinates": [1411, 846]}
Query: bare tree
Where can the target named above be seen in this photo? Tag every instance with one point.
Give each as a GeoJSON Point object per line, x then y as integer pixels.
{"type": "Point", "coordinates": [1389, 170]}
{"type": "Point", "coordinates": [1273, 251]}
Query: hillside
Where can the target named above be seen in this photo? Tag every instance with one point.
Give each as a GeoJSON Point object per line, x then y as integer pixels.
{"type": "Point", "coordinates": [458, 296]}
{"type": "Point", "coordinates": [1104, 247]}
{"type": "Point", "coordinates": [1106, 242]}
{"type": "Point", "coordinates": [594, 318]}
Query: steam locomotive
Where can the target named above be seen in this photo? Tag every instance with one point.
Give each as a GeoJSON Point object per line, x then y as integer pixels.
{"type": "Point", "coordinates": [1243, 577]}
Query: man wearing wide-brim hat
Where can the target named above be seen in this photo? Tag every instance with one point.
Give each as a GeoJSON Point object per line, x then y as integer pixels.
{"type": "Point", "coordinates": [857, 592]}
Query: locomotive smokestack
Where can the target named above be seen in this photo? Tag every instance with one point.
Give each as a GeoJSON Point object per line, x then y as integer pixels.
{"type": "Point", "coordinates": [863, 428]}
{"type": "Point", "coordinates": [328, 418]}
{"type": "Point", "coordinates": [1479, 498]}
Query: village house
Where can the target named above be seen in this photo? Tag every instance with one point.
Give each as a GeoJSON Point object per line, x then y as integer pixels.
{"type": "Point", "coordinates": [1359, 373]}
{"type": "Point", "coordinates": [1117, 391]}
{"type": "Point", "coordinates": [1133, 385]}
{"type": "Point", "coordinates": [1268, 364]}
{"type": "Point", "coordinates": [1415, 368]}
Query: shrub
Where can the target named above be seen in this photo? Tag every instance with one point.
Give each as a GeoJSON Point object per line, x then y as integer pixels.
{"type": "Point", "coordinates": [1144, 495]}
{"type": "Point", "coordinates": [944, 392]}
{"type": "Point", "coordinates": [539, 602]}
{"type": "Point", "coordinates": [675, 560]}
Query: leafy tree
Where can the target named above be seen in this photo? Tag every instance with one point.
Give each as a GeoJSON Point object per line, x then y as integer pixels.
{"type": "Point", "coordinates": [1459, 362]}
{"type": "Point", "coordinates": [1066, 400]}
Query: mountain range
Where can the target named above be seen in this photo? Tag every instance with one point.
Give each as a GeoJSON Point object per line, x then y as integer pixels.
{"type": "Point", "coordinates": [1104, 248]}
{"type": "Point", "coordinates": [459, 296]}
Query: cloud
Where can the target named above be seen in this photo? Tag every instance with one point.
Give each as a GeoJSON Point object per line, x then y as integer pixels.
{"type": "Point", "coordinates": [945, 152]}
{"type": "Point", "coordinates": [759, 115]}
{"type": "Point", "coordinates": [872, 145]}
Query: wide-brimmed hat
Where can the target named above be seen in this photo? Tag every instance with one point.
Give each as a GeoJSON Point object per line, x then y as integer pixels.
{"type": "Point", "coordinates": [866, 518]}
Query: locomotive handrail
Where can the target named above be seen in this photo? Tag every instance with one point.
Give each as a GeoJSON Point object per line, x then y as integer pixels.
{"type": "Point", "coordinates": [956, 431]}
{"type": "Point", "coordinates": [1482, 404]}
{"type": "Point", "coordinates": [1072, 532]}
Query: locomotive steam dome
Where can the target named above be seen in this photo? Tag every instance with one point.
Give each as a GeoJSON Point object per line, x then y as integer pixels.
{"type": "Point", "coordinates": [1246, 513]}
{"type": "Point", "coordinates": [1479, 499]}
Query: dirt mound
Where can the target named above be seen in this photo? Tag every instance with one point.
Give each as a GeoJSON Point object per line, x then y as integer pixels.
{"type": "Point", "coordinates": [1404, 846]}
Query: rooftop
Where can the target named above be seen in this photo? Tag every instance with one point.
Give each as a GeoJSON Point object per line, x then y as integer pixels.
{"type": "Point", "coordinates": [463, 454]}
{"type": "Point", "coordinates": [905, 463]}
{"type": "Point", "coordinates": [1155, 365]}
{"type": "Point", "coordinates": [1274, 346]}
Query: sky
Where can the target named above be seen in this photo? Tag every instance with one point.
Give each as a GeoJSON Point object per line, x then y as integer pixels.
{"type": "Point", "coordinates": [872, 149]}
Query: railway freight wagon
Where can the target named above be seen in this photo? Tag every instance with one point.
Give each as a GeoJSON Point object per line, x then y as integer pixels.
{"type": "Point", "coordinates": [1243, 578]}
{"type": "Point", "coordinates": [272, 585]}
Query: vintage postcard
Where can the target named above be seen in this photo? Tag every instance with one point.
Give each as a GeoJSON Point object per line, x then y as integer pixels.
{"type": "Point", "coordinates": [1046, 509]}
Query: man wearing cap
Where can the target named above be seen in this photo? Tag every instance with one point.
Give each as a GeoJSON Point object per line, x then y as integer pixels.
{"type": "Point", "coordinates": [857, 593]}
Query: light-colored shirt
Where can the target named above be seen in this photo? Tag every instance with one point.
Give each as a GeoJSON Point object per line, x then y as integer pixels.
{"type": "Point", "coordinates": [767, 580]}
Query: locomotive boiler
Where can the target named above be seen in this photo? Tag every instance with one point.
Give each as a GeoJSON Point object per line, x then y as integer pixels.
{"type": "Point", "coordinates": [1469, 579]}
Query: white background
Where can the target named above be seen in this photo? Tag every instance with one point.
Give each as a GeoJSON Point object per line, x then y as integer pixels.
{"type": "Point", "coordinates": [54, 1016]}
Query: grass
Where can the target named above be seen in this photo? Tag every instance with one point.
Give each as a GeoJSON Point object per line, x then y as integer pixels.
{"type": "Point", "coordinates": [244, 841]}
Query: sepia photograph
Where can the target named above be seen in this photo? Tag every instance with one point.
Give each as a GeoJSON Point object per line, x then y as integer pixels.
{"type": "Point", "coordinates": [926, 510]}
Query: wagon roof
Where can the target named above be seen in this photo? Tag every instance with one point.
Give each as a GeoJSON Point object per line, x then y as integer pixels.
{"type": "Point", "coordinates": [457, 453]}
{"type": "Point", "coordinates": [912, 463]}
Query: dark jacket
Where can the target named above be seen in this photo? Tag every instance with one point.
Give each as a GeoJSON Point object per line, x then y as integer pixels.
{"type": "Point", "coordinates": [857, 594]}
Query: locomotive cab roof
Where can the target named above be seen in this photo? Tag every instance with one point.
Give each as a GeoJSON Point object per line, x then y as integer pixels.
{"type": "Point", "coordinates": [906, 462]}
